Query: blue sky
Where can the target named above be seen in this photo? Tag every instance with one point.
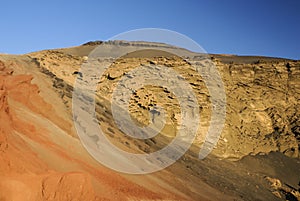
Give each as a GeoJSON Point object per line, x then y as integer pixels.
{"type": "Point", "coordinates": [255, 27]}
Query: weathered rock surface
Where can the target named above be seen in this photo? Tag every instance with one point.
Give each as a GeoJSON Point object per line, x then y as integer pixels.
{"type": "Point", "coordinates": [263, 108]}
{"type": "Point", "coordinates": [262, 96]}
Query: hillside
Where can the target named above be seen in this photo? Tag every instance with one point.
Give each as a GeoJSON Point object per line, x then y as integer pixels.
{"type": "Point", "coordinates": [43, 158]}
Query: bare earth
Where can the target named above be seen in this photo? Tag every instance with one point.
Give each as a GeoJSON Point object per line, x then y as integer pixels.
{"type": "Point", "coordinates": [42, 158]}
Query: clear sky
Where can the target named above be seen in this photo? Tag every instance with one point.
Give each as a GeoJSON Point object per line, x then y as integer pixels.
{"type": "Point", "coordinates": [244, 27]}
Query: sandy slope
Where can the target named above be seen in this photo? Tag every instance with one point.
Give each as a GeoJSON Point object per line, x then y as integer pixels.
{"type": "Point", "coordinates": [42, 158]}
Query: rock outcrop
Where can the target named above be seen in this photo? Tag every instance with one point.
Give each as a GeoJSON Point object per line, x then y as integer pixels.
{"type": "Point", "coordinates": [263, 107]}
{"type": "Point", "coordinates": [262, 96]}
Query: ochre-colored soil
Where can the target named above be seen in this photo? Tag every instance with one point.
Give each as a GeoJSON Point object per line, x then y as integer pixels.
{"type": "Point", "coordinates": [42, 158]}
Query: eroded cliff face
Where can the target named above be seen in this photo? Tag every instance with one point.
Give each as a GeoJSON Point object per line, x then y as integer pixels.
{"type": "Point", "coordinates": [263, 102]}
{"type": "Point", "coordinates": [262, 106]}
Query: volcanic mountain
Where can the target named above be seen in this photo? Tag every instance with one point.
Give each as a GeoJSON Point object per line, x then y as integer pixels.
{"type": "Point", "coordinates": [43, 158]}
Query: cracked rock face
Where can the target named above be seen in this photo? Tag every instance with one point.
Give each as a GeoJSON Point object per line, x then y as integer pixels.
{"type": "Point", "coordinates": [263, 108]}
{"type": "Point", "coordinates": [262, 97]}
